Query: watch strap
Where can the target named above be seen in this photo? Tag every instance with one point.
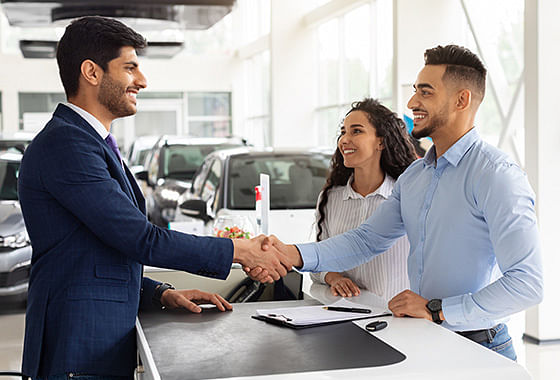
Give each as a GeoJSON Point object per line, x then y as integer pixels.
{"type": "Point", "coordinates": [156, 299]}
{"type": "Point", "coordinates": [435, 310]}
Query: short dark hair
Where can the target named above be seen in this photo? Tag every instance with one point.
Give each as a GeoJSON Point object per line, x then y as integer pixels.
{"type": "Point", "coordinates": [462, 65]}
{"type": "Point", "coordinates": [99, 39]}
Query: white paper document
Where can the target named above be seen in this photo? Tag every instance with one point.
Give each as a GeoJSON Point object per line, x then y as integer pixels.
{"type": "Point", "coordinates": [309, 315]}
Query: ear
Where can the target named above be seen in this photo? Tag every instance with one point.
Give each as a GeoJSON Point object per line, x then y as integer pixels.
{"type": "Point", "coordinates": [464, 99]}
{"type": "Point", "coordinates": [91, 72]}
{"type": "Point", "coordinates": [381, 145]}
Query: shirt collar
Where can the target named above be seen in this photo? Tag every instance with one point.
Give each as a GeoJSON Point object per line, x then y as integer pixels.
{"type": "Point", "coordinates": [384, 190]}
{"type": "Point", "coordinates": [92, 120]}
{"type": "Point", "coordinates": [456, 152]}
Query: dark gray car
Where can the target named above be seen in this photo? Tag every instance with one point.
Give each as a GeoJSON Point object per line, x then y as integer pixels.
{"type": "Point", "coordinates": [170, 168]}
{"type": "Point", "coordinates": [15, 248]}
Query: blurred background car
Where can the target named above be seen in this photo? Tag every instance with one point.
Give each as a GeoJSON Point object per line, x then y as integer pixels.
{"type": "Point", "coordinates": [225, 185]}
{"type": "Point", "coordinates": [170, 167]}
{"type": "Point", "coordinates": [15, 247]}
{"type": "Point", "coordinates": [137, 152]}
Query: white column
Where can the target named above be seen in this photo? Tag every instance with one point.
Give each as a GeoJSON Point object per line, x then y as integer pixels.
{"type": "Point", "coordinates": [292, 75]}
{"type": "Point", "coordinates": [542, 137]}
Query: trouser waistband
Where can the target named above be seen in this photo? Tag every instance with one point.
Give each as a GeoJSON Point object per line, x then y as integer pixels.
{"type": "Point", "coordinates": [480, 336]}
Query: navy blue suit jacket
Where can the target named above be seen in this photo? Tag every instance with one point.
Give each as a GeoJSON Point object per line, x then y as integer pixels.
{"type": "Point", "coordinates": [86, 220]}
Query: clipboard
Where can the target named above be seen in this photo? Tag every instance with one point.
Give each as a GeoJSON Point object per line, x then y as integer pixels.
{"type": "Point", "coordinates": [279, 321]}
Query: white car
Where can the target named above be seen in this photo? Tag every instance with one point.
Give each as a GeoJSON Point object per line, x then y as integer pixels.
{"type": "Point", "coordinates": [225, 183]}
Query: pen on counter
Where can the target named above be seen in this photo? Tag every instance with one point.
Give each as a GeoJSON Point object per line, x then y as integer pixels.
{"type": "Point", "coordinates": [348, 309]}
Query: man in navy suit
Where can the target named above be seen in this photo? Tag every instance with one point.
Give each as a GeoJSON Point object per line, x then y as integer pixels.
{"type": "Point", "coordinates": [86, 219]}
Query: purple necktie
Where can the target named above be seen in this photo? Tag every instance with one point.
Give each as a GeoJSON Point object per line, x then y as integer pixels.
{"type": "Point", "coordinates": [112, 142]}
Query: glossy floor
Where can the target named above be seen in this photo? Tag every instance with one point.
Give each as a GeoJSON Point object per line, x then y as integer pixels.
{"type": "Point", "coordinates": [542, 362]}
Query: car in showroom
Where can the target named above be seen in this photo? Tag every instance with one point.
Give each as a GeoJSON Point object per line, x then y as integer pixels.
{"type": "Point", "coordinates": [15, 247]}
{"type": "Point", "coordinates": [225, 186]}
{"type": "Point", "coordinates": [170, 167]}
{"type": "Point", "coordinates": [137, 152]}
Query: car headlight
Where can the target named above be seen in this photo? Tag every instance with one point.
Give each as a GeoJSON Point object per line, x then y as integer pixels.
{"type": "Point", "coordinates": [170, 195]}
{"type": "Point", "coordinates": [168, 214]}
{"type": "Point", "coordinates": [19, 240]}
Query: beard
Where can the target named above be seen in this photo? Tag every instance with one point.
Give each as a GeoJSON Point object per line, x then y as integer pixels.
{"type": "Point", "coordinates": [113, 96]}
{"type": "Point", "coordinates": [438, 120]}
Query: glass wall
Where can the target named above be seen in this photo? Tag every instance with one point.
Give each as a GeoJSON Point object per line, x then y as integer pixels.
{"type": "Point", "coordinates": [255, 16]}
{"type": "Point", "coordinates": [35, 109]}
{"type": "Point", "coordinates": [209, 114]}
{"type": "Point", "coordinates": [200, 114]}
{"type": "Point", "coordinates": [496, 35]}
{"type": "Point", "coordinates": [257, 99]}
{"type": "Point", "coordinates": [349, 66]}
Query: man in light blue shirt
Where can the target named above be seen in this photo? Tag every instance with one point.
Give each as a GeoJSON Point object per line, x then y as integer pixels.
{"type": "Point", "coordinates": [468, 211]}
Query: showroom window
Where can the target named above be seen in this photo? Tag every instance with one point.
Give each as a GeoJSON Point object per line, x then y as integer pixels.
{"type": "Point", "coordinates": [496, 34]}
{"type": "Point", "coordinates": [35, 109]}
{"type": "Point", "coordinates": [254, 27]}
{"type": "Point", "coordinates": [209, 114]}
{"type": "Point", "coordinates": [255, 19]}
{"type": "Point", "coordinates": [257, 99]}
{"type": "Point", "coordinates": [201, 114]}
{"type": "Point", "coordinates": [348, 67]}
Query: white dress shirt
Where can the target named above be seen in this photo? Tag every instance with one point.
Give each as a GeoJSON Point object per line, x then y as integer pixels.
{"type": "Point", "coordinates": [386, 274]}
{"type": "Point", "coordinates": [92, 120]}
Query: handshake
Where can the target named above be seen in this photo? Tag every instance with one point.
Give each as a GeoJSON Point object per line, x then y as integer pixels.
{"type": "Point", "coordinates": [265, 258]}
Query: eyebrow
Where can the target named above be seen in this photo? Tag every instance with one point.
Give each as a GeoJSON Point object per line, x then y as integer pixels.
{"type": "Point", "coordinates": [353, 126]}
{"type": "Point", "coordinates": [423, 85]}
{"type": "Point", "coordinates": [133, 63]}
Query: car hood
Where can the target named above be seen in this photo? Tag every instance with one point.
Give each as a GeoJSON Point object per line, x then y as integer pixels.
{"type": "Point", "coordinates": [11, 218]}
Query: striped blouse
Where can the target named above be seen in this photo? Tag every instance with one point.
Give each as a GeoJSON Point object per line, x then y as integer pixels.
{"type": "Point", "coordinates": [386, 274]}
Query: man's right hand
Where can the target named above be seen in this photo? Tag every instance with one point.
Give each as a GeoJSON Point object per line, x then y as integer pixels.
{"type": "Point", "coordinates": [270, 263]}
{"type": "Point", "coordinates": [290, 254]}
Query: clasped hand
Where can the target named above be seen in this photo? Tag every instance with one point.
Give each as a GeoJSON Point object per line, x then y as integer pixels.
{"type": "Point", "coordinates": [265, 258]}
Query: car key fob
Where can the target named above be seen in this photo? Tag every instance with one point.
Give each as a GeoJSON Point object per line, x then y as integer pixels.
{"type": "Point", "coordinates": [376, 326]}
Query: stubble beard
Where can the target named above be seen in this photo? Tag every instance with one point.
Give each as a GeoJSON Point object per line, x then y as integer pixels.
{"type": "Point", "coordinates": [113, 97]}
{"type": "Point", "coordinates": [439, 120]}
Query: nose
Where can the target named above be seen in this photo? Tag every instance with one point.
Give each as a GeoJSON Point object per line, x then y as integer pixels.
{"type": "Point", "coordinates": [140, 79]}
{"type": "Point", "coordinates": [343, 139]}
{"type": "Point", "coordinates": [412, 102]}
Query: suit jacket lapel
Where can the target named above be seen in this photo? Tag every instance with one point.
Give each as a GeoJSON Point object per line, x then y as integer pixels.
{"type": "Point", "coordinates": [125, 178]}
{"type": "Point", "coordinates": [137, 193]}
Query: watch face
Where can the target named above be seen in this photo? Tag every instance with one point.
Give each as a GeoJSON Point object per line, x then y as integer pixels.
{"type": "Point", "coordinates": [434, 305]}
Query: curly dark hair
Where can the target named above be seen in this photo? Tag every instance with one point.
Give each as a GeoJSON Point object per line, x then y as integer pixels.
{"type": "Point", "coordinates": [398, 153]}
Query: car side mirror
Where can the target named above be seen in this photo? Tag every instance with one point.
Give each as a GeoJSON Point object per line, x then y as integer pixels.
{"type": "Point", "coordinates": [195, 208]}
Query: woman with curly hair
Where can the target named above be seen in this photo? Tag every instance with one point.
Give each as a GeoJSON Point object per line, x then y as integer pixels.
{"type": "Point", "coordinates": [373, 149]}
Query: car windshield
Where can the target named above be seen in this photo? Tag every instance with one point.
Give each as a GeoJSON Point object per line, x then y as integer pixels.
{"type": "Point", "coordinates": [8, 180]}
{"type": "Point", "coordinates": [141, 157]}
{"type": "Point", "coordinates": [295, 181]}
{"type": "Point", "coordinates": [182, 161]}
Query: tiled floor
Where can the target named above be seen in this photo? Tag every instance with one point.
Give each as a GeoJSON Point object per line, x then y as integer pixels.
{"type": "Point", "coordinates": [542, 362]}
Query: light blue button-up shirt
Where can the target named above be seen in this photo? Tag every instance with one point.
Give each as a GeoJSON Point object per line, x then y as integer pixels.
{"type": "Point", "coordinates": [473, 234]}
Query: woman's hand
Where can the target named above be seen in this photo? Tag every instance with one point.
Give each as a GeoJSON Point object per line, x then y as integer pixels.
{"type": "Point", "coordinates": [341, 285]}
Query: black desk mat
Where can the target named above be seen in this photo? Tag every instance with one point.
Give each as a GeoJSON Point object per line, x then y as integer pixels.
{"type": "Point", "coordinates": [216, 345]}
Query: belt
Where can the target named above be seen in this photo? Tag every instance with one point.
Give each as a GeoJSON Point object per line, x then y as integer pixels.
{"type": "Point", "coordinates": [480, 336]}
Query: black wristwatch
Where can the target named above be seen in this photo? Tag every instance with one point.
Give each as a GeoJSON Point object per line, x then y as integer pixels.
{"type": "Point", "coordinates": [156, 299]}
{"type": "Point", "coordinates": [434, 306]}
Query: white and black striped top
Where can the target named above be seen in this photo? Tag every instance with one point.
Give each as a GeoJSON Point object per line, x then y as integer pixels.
{"type": "Point", "coordinates": [386, 274]}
